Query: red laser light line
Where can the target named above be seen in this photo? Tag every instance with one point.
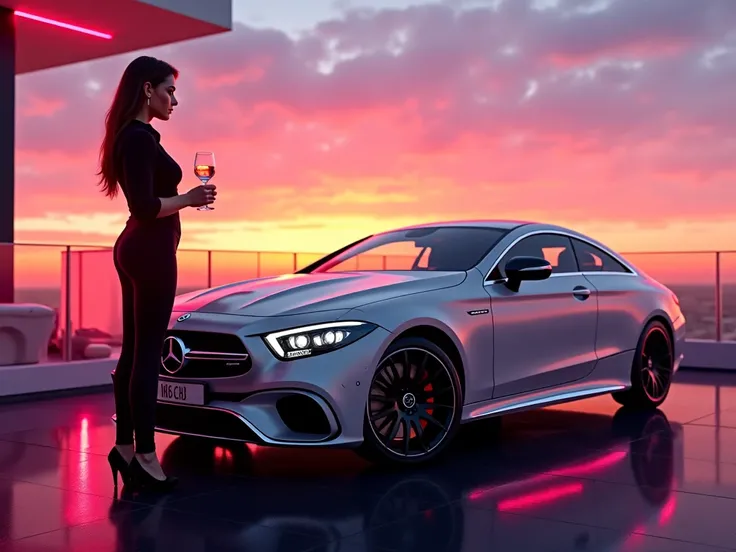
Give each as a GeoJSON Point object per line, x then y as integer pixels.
{"type": "Point", "coordinates": [63, 25]}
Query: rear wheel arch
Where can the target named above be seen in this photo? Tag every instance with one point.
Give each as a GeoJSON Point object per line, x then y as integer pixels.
{"type": "Point", "coordinates": [665, 320]}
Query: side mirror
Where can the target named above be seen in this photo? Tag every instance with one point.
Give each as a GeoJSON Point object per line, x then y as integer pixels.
{"type": "Point", "coordinates": [520, 269]}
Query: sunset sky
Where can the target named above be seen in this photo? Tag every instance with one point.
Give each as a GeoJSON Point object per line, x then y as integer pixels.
{"type": "Point", "coordinates": [330, 121]}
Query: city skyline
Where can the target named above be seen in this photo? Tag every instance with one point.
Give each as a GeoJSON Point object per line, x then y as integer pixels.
{"type": "Point", "coordinates": [337, 121]}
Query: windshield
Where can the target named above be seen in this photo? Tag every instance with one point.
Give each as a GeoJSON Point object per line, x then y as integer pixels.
{"type": "Point", "coordinates": [443, 248]}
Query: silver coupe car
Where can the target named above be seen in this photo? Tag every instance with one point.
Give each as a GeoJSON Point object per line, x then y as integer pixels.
{"type": "Point", "coordinates": [390, 343]}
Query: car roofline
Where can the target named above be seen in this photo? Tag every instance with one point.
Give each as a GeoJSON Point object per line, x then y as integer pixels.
{"type": "Point", "coordinates": [480, 223]}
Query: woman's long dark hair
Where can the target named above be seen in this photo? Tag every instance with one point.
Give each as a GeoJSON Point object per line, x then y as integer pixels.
{"type": "Point", "coordinates": [126, 105]}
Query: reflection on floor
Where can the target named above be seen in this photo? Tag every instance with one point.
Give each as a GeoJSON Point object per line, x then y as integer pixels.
{"type": "Point", "coordinates": [580, 477]}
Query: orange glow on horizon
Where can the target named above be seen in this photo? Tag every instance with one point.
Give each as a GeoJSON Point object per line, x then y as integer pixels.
{"type": "Point", "coordinates": [38, 266]}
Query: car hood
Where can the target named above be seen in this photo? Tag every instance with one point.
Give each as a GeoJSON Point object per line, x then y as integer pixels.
{"type": "Point", "coordinates": [304, 293]}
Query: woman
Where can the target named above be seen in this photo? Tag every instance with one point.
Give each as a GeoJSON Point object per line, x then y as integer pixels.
{"type": "Point", "coordinates": [133, 160]}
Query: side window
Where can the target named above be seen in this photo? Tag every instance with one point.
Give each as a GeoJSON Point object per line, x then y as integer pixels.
{"type": "Point", "coordinates": [592, 259]}
{"type": "Point", "coordinates": [554, 248]}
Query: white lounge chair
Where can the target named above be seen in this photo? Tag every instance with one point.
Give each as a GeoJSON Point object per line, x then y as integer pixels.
{"type": "Point", "coordinates": [25, 331]}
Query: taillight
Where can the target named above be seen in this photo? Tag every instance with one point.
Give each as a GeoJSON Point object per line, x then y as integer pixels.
{"type": "Point", "coordinates": [675, 298]}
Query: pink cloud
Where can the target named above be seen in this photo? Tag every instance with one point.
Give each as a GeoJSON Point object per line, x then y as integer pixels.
{"type": "Point", "coordinates": [471, 112]}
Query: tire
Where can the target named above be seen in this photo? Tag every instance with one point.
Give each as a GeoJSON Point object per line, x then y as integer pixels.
{"type": "Point", "coordinates": [653, 363]}
{"type": "Point", "coordinates": [395, 404]}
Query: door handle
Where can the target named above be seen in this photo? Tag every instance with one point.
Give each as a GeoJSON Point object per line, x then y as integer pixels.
{"type": "Point", "coordinates": [580, 292]}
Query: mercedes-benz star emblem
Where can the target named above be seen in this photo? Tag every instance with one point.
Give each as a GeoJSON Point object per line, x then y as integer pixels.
{"type": "Point", "coordinates": [173, 355]}
{"type": "Point", "coordinates": [409, 400]}
{"type": "Point", "coordinates": [184, 317]}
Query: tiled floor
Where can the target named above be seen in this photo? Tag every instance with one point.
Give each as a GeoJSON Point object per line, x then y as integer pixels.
{"type": "Point", "coordinates": [579, 477]}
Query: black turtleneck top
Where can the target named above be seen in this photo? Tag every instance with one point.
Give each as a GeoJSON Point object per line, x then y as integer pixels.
{"type": "Point", "coordinates": [146, 173]}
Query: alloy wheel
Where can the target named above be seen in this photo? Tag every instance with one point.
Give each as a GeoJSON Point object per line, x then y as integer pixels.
{"type": "Point", "coordinates": [412, 402]}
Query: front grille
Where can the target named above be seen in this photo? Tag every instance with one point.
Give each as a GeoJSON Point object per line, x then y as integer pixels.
{"type": "Point", "coordinates": [211, 355]}
{"type": "Point", "coordinates": [216, 424]}
{"type": "Point", "coordinates": [210, 341]}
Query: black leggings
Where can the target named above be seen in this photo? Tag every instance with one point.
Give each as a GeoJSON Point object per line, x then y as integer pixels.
{"type": "Point", "coordinates": [146, 264]}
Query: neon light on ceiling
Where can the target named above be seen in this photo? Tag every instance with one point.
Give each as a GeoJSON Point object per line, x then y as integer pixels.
{"type": "Point", "coordinates": [63, 25]}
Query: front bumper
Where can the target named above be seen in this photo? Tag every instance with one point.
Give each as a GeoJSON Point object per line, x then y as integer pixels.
{"type": "Point", "coordinates": [310, 401]}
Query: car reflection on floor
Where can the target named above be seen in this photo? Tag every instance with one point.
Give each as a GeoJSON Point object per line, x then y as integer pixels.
{"type": "Point", "coordinates": [481, 496]}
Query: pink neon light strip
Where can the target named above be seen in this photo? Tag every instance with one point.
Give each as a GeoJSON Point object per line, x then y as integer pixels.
{"type": "Point", "coordinates": [572, 470]}
{"type": "Point", "coordinates": [539, 497]}
{"type": "Point", "coordinates": [55, 23]}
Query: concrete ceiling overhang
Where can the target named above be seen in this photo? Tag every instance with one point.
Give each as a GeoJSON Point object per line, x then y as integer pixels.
{"type": "Point", "coordinates": [133, 25]}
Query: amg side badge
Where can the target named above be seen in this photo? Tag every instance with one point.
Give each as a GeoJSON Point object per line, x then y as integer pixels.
{"type": "Point", "coordinates": [477, 312]}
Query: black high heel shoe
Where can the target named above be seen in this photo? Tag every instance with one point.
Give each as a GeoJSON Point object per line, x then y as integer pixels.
{"type": "Point", "coordinates": [141, 479]}
{"type": "Point", "coordinates": [118, 464]}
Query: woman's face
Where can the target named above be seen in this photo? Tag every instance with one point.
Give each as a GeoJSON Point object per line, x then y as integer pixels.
{"type": "Point", "coordinates": [163, 100]}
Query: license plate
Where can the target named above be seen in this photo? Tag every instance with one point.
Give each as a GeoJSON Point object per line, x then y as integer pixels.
{"type": "Point", "coordinates": [181, 393]}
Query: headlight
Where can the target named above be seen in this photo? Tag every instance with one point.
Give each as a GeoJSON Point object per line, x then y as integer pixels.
{"type": "Point", "coordinates": [317, 339]}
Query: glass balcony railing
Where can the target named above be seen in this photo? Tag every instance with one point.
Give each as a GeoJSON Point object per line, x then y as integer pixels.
{"type": "Point", "coordinates": [80, 289]}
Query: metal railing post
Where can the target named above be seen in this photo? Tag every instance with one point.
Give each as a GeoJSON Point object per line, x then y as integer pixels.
{"type": "Point", "coordinates": [68, 300]}
{"type": "Point", "coordinates": [718, 433]}
{"type": "Point", "coordinates": [258, 264]}
{"type": "Point", "coordinates": [719, 299]}
{"type": "Point", "coordinates": [209, 269]}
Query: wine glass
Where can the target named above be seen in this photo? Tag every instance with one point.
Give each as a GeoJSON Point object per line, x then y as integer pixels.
{"type": "Point", "coordinates": [204, 169]}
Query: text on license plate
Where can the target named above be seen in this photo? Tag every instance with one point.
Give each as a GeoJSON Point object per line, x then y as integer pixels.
{"type": "Point", "coordinates": [184, 393]}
